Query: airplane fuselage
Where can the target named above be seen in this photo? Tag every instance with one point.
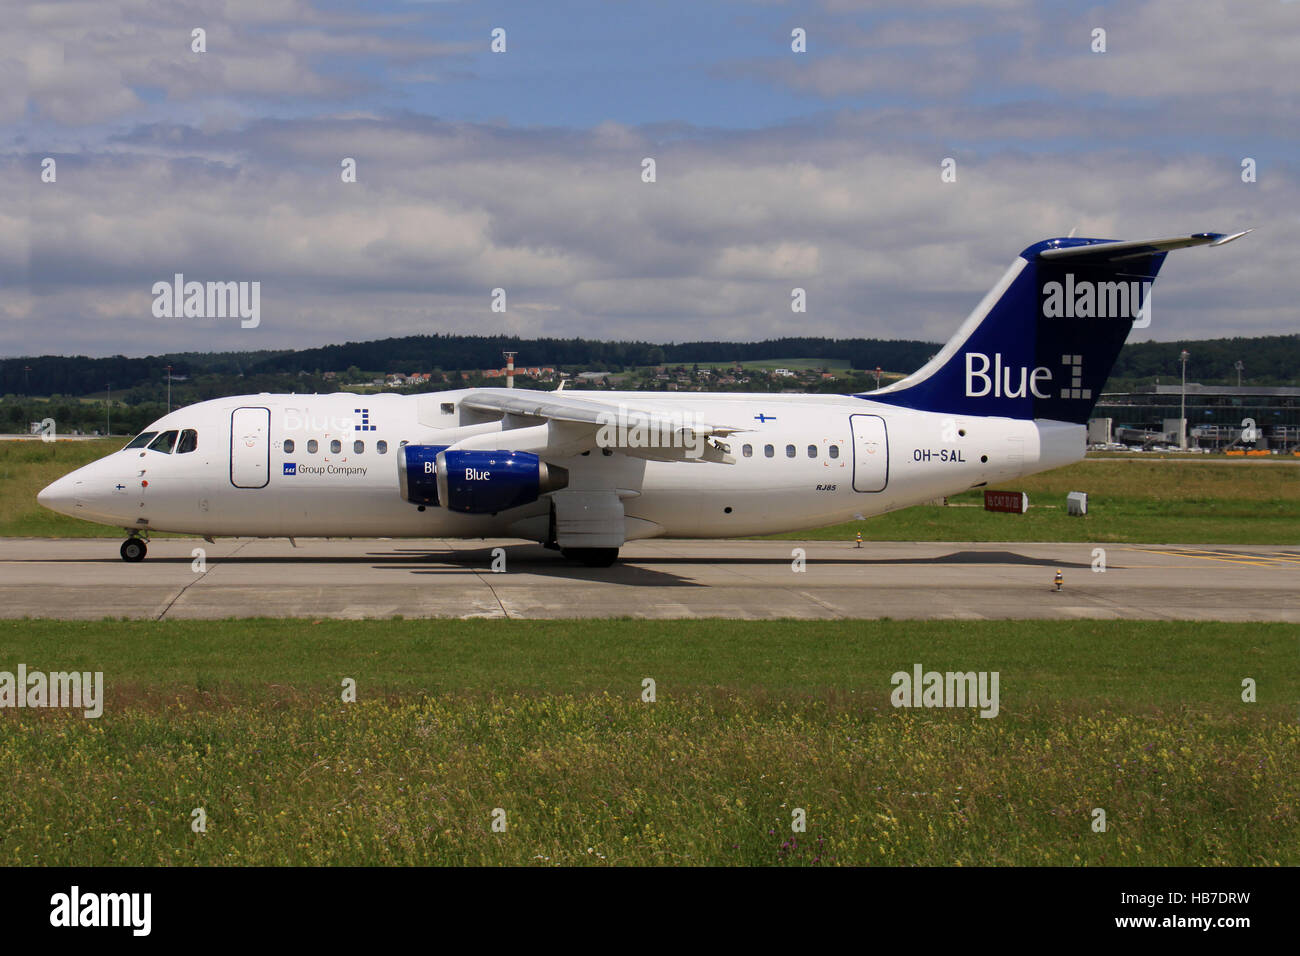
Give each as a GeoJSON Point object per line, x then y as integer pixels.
{"type": "Point", "coordinates": [328, 465]}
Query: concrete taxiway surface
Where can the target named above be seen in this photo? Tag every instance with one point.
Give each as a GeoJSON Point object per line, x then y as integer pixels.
{"type": "Point", "coordinates": [85, 579]}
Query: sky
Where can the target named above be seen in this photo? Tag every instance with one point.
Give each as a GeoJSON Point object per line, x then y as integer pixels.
{"type": "Point", "coordinates": [523, 169]}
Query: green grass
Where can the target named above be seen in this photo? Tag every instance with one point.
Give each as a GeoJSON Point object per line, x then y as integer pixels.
{"type": "Point", "coordinates": [1188, 456]}
{"type": "Point", "coordinates": [753, 719]}
{"type": "Point", "coordinates": [1128, 501]}
{"type": "Point", "coordinates": [1108, 661]}
{"type": "Point", "coordinates": [28, 466]}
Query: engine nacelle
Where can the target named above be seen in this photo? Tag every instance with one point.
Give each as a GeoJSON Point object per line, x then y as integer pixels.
{"type": "Point", "coordinates": [485, 482]}
{"type": "Point", "coordinates": [417, 473]}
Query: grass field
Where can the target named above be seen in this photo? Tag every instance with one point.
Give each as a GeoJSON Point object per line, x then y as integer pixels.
{"type": "Point", "coordinates": [28, 466]}
{"type": "Point", "coordinates": [545, 721]}
{"type": "Point", "coordinates": [1199, 502]}
{"type": "Point", "coordinates": [1152, 502]}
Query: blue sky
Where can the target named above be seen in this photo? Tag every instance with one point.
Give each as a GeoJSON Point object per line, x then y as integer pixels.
{"type": "Point", "coordinates": [521, 170]}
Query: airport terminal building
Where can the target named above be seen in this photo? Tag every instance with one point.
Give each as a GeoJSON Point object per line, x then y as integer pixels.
{"type": "Point", "coordinates": [1217, 415]}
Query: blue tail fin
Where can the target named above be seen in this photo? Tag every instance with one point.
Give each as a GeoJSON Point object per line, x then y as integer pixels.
{"type": "Point", "coordinates": [1042, 343]}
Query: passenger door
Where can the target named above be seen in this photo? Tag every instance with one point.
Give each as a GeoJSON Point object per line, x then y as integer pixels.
{"type": "Point", "coordinates": [250, 447]}
{"type": "Point", "coordinates": [870, 453]}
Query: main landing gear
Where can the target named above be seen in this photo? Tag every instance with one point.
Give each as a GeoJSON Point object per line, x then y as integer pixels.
{"type": "Point", "coordinates": [591, 557]}
{"type": "Point", "coordinates": [134, 549]}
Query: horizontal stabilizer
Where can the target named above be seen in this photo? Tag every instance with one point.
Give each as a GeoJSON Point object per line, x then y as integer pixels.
{"type": "Point", "coordinates": [1101, 250]}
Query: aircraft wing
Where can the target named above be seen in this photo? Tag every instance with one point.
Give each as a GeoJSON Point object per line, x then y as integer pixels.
{"type": "Point", "coordinates": [644, 430]}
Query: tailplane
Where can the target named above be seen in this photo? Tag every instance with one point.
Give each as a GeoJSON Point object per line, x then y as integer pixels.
{"type": "Point", "coordinates": [1042, 343]}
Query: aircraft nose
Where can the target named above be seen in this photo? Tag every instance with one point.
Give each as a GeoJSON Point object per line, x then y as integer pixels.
{"type": "Point", "coordinates": [60, 496]}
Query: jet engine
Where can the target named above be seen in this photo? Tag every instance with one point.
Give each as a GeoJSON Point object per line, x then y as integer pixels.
{"type": "Point", "coordinates": [417, 473]}
{"type": "Point", "coordinates": [475, 482]}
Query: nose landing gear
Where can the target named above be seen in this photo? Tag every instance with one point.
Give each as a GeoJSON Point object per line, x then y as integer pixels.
{"type": "Point", "coordinates": [134, 549]}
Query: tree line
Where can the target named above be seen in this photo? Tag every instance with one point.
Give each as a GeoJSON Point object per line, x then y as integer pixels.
{"type": "Point", "coordinates": [1268, 360]}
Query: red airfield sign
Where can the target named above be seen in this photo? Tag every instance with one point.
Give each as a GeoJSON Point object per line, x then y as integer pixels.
{"type": "Point", "coordinates": [1012, 502]}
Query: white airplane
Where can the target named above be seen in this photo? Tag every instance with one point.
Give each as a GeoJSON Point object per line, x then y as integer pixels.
{"type": "Point", "coordinates": [1009, 395]}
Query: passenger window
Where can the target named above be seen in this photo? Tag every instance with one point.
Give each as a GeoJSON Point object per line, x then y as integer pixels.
{"type": "Point", "coordinates": [164, 442]}
{"type": "Point", "coordinates": [381, 447]}
{"type": "Point", "coordinates": [769, 451]}
{"type": "Point", "coordinates": [789, 451]}
{"type": "Point", "coordinates": [358, 447]}
{"type": "Point", "coordinates": [812, 451]}
{"type": "Point", "coordinates": [448, 408]}
{"type": "Point", "coordinates": [312, 446]}
{"type": "Point", "coordinates": [336, 446]}
{"type": "Point", "coordinates": [835, 451]}
{"type": "Point", "coordinates": [190, 442]}
{"type": "Point", "coordinates": [748, 451]}
{"type": "Point", "coordinates": [288, 446]}
{"type": "Point", "coordinates": [140, 440]}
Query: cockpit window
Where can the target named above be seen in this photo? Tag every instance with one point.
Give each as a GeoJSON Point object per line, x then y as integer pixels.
{"type": "Point", "coordinates": [140, 440]}
{"type": "Point", "coordinates": [164, 442]}
{"type": "Point", "coordinates": [189, 441]}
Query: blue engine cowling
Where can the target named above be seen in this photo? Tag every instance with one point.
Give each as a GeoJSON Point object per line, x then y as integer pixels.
{"type": "Point", "coordinates": [417, 473]}
{"type": "Point", "coordinates": [485, 482]}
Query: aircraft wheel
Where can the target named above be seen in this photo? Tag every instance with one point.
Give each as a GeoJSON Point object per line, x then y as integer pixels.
{"type": "Point", "coordinates": [133, 549]}
{"type": "Point", "coordinates": [592, 557]}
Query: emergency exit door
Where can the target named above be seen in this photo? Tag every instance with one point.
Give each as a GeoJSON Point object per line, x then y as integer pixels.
{"type": "Point", "coordinates": [250, 447]}
{"type": "Point", "coordinates": [870, 452]}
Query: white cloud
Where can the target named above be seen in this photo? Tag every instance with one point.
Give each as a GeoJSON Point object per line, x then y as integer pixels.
{"type": "Point", "coordinates": [563, 222]}
{"type": "Point", "coordinates": [87, 63]}
{"type": "Point", "coordinates": [1142, 141]}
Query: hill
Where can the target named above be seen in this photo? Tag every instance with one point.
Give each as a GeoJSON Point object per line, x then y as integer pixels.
{"type": "Point", "coordinates": [1268, 360]}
